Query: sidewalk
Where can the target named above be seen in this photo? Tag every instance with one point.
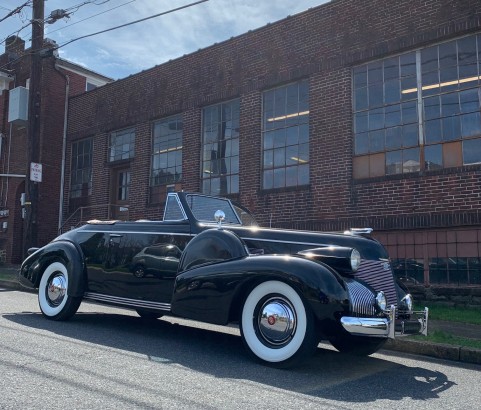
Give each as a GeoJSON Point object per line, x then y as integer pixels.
{"type": "Point", "coordinates": [8, 279]}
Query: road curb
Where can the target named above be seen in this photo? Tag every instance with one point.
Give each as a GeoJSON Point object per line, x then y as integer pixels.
{"type": "Point", "coordinates": [437, 350]}
{"type": "Point", "coordinates": [15, 285]}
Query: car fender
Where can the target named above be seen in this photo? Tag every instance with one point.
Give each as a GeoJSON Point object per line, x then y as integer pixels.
{"type": "Point", "coordinates": [68, 252]}
{"type": "Point", "coordinates": [215, 293]}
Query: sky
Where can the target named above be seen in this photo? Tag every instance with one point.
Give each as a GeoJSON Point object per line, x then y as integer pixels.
{"type": "Point", "coordinates": [136, 47]}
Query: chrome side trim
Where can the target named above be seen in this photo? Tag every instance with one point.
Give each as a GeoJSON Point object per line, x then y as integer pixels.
{"type": "Point", "coordinates": [142, 232]}
{"type": "Point", "coordinates": [134, 303]}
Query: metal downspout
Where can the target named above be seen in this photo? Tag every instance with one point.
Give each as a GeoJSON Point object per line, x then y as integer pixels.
{"type": "Point", "coordinates": [64, 149]}
{"type": "Point", "coordinates": [9, 146]}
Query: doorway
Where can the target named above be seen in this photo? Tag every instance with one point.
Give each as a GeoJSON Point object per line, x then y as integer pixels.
{"type": "Point", "coordinates": [120, 194]}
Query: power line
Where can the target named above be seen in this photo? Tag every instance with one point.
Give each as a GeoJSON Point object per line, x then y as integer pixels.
{"type": "Point", "coordinates": [16, 10]}
{"type": "Point", "coordinates": [103, 31]}
{"type": "Point", "coordinates": [132, 22]}
{"type": "Point", "coordinates": [15, 33]}
{"type": "Point", "coordinates": [52, 18]}
{"type": "Point", "coordinates": [84, 3]}
{"type": "Point", "coordinates": [61, 13]}
{"type": "Point", "coordinates": [88, 18]}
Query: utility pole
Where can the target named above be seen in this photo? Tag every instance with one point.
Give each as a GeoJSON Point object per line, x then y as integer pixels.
{"type": "Point", "coordinates": [33, 132]}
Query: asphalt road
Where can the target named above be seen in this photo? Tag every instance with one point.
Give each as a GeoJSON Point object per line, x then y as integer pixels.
{"type": "Point", "coordinates": [106, 358]}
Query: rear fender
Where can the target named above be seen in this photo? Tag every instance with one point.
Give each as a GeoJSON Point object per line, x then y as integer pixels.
{"type": "Point", "coordinates": [33, 267]}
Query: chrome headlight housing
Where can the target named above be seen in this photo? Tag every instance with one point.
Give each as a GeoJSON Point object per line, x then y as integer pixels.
{"type": "Point", "coordinates": [343, 259]}
{"type": "Point", "coordinates": [406, 303]}
{"type": "Point", "coordinates": [381, 301]}
{"type": "Point", "coordinates": [355, 260]}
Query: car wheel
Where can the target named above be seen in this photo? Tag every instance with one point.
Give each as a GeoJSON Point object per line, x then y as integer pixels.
{"type": "Point", "coordinates": [358, 345]}
{"type": "Point", "coordinates": [276, 326]}
{"type": "Point", "coordinates": [139, 271]}
{"type": "Point", "coordinates": [148, 314]}
{"type": "Point", "coordinates": [53, 299]}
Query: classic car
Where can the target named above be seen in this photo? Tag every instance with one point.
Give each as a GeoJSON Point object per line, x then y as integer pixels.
{"type": "Point", "coordinates": [287, 290]}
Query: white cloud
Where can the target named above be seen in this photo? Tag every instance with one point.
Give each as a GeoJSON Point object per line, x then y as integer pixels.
{"type": "Point", "coordinates": [140, 46]}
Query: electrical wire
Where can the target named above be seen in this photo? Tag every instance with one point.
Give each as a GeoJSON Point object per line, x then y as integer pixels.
{"type": "Point", "coordinates": [131, 23]}
{"type": "Point", "coordinates": [84, 3]}
{"type": "Point", "coordinates": [16, 10]}
{"type": "Point", "coordinates": [88, 18]}
{"type": "Point", "coordinates": [103, 31]}
{"type": "Point", "coordinates": [76, 7]}
{"type": "Point", "coordinates": [3, 67]}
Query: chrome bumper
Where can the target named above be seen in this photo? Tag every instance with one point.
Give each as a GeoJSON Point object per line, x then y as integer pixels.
{"type": "Point", "coordinates": [389, 326]}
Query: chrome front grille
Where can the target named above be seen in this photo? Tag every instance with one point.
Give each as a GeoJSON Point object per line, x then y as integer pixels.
{"type": "Point", "coordinates": [378, 275]}
{"type": "Point", "coordinates": [362, 299]}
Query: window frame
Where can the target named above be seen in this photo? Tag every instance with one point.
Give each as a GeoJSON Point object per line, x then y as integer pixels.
{"type": "Point", "coordinates": [437, 150]}
{"type": "Point", "coordinates": [177, 176]}
{"type": "Point", "coordinates": [74, 170]}
{"type": "Point", "coordinates": [281, 160]}
{"type": "Point", "coordinates": [114, 152]}
{"type": "Point", "coordinates": [224, 169]}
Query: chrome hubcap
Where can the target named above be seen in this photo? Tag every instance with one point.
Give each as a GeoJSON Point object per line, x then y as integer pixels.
{"type": "Point", "coordinates": [56, 289]}
{"type": "Point", "coordinates": [277, 321]}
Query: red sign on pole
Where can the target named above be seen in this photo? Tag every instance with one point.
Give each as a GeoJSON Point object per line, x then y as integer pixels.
{"type": "Point", "coordinates": [35, 172]}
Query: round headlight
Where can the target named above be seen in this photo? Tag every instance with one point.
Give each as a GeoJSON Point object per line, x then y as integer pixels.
{"type": "Point", "coordinates": [407, 303]}
{"type": "Point", "coordinates": [381, 301]}
{"type": "Point", "coordinates": [355, 259]}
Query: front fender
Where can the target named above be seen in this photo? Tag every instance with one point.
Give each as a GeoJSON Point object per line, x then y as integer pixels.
{"type": "Point", "coordinates": [33, 267]}
{"type": "Point", "coordinates": [216, 293]}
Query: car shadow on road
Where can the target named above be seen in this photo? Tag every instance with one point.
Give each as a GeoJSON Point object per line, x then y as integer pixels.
{"type": "Point", "coordinates": [328, 374]}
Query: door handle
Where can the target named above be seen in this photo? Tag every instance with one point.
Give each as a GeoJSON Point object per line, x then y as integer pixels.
{"type": "Point", "coordinates": [114, 238]}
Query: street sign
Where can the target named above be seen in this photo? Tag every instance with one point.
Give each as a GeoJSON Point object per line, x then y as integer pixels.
{"type": "Point", "coordinates": [35, 172]}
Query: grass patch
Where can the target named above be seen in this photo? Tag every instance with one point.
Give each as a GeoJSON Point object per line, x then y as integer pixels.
{"type": "Point", "coordinates": [460, 314]}
{"type": "Point", "coordinates": [438, 336]}
{"type": "Point", "coordinates": [7, 276]}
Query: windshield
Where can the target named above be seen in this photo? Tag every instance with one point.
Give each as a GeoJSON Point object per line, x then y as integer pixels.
{"type": "Point", "coordinates": [204, 207]}
{"type": "Point", "coordinates": [245, 216]}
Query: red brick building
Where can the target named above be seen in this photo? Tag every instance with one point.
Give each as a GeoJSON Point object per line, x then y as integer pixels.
{"type": "Point", "coordinates": [59, 78]}
{"type": "Point", "coordinates": [350, 114]}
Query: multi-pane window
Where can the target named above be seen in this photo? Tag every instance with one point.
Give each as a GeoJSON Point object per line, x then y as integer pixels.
{"type": "Point", "coordinates": [81, 180]}
{"type": "Point", "coordinates": [121, 145]}
{"type": "Point", "coordinates": [286, 136]}
{"type": "Point", "coordinates": [167, 152]}
{"type": "Point", "coordinates": [123, 186]}
{"type": "Point", "coordinates": [418, 111]}
{"type": "Point", "coordinates": [442, 271]}
{"type": "Point", "coordinates": [220, 148]}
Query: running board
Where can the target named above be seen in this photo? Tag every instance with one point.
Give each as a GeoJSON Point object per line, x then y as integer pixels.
{"type": "Point", "coordinates": [132, 303]}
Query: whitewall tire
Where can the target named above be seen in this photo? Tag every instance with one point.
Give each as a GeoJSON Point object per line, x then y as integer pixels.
{"type": "Point", "coordinates": [276, 326]}
{"type": "Point", "coordinates": [53, 298]}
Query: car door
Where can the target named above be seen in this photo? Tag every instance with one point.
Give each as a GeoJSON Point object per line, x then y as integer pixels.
{"type": "Point", "coordinates": [156, 251]}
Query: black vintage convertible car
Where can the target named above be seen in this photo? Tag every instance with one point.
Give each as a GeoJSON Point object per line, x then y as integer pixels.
{"type": "Point", "coordinates": [209, 261]}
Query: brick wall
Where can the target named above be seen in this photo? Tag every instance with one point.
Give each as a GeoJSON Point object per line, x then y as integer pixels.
{"type": "Point", "coordinates": [321, 44]}
{"type": "Point", "coordinates": [13, 159]}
